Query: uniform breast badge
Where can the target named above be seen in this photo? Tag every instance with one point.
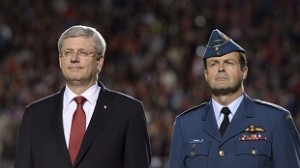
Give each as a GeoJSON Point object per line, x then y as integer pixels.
{"type": "Point", "coordinates": [253, 133]}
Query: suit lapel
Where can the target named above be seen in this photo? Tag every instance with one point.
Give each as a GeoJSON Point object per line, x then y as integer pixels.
{"type": "Point", "coordinates": [56, 110]}
{"type": "Point", "coordinates": [241, 120]}
{"type": "Point", "coordinates": [100, 116]}
{"type": "Point", "coordinates": [210, 126]}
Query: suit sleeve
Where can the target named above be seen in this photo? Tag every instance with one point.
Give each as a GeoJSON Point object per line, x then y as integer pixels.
{"type": "Point", "coordinates": [286, 144]}
{"type": "Point", "coordinates": [176, 148]}
{"type": "Point", "coordinates": [23, 153]}
{"type": "Point", "coordinates": [137, 152]}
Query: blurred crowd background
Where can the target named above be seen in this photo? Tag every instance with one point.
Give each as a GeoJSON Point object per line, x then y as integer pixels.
{"type": "Point", "coordinates": [154, 54]}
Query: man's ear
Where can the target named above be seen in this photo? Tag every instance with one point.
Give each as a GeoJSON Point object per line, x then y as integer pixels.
{"type": "Point", "coordinates": [100, 63]}
{"type": "Point", "coordinates": [59, 60]}
{"type": "Point", "coordinates": [245, 72]}
{"type": "Point", "coordinates": [205, 74]}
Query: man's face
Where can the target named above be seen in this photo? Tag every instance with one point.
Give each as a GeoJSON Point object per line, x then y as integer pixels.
{"type": "Point", "coordinates": [224, 74]}
{"type": "Point", "coordinates": [78, 70]}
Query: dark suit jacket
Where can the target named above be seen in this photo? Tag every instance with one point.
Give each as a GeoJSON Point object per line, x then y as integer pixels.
{"type": "Point", "coordinates": [274, 142]}
{"type": "Point", "coordinates": [115, 138]}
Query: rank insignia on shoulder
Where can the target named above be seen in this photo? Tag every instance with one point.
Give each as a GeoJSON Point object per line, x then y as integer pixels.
{"type": "Point", "coordinates": [254, 134]}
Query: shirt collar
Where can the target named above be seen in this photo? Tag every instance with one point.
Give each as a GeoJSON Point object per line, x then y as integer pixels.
{"type": "Point", "coordinates": [91, 94]}
{"type": "Point", "coordinates": [233, 106]}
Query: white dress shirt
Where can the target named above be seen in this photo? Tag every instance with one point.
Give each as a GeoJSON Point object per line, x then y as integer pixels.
{"type": "Point", "coordinates": [232, 107]}
{"type": "Point", "coordinates": [69, 107]}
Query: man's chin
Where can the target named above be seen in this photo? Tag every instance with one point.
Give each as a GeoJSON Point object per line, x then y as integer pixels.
{"type": "Point", "coordinates": [219, 92]}
{"type": "Point", "coordinates": [74, 81]}
{"type": "Point", "coordinates": [224, 91]}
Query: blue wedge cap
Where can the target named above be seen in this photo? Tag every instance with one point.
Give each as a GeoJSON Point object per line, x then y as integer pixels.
{"type": "Point", "coordinates": [219, 44]}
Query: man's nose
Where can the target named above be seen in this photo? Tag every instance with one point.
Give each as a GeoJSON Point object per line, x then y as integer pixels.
{"type": "Point", "coordinates": [221, 67]}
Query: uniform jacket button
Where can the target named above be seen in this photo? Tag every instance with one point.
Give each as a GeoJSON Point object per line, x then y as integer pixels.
{"type": "Point", "coordinates": [221, 153]}
{"type": "Point", "coordinates": [254, 152]}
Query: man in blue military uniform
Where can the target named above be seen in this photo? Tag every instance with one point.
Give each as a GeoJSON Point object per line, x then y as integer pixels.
{"type": "Point", "coordinates": [232, 130]}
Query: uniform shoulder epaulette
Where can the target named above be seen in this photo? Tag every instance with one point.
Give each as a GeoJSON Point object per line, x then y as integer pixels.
{"type": "Point", "coordinates": [193, 108]}
{"type": "Point", "coordinates": [270, 104]}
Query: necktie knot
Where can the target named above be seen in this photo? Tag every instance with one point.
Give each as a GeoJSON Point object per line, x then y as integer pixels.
{"type": "Point", "coordinates": [79, 100]}
{"type": "Point", "coordinates": [225, 111]}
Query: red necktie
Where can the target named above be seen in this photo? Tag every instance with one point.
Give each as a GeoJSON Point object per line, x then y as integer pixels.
{"type": "Point", "coordinates": [77, 129]}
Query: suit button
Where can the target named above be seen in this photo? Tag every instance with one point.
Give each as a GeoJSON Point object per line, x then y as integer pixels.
{"type": "Point", "coordinates": [221, 153]}
{"type": "Point", "coordinates": [254, 152]}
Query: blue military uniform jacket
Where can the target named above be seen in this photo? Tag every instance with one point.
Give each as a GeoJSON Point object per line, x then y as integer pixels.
{"type": "Point", "coordinates": [260, 135]}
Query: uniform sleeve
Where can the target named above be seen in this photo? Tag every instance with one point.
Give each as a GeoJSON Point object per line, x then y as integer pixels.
{"type": "Point", "coordinates": [23, 153]}
{"type": "Point", "coordinates": [137, 148]}
{"type": "Point", "coordinates": [286, 144]}
{"type": "Point", "coordinates": [176, 148]}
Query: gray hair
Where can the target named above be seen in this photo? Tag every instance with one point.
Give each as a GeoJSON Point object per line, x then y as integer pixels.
{"type": "Point", "coordinates": [78, 31]}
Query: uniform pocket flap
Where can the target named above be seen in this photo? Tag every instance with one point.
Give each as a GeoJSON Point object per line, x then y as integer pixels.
{"type": "Point", "coordinates": [253, 148]}
{"type": "Point", "coordinates": [194, 149]}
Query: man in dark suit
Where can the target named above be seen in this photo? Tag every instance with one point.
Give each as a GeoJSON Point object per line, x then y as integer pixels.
{"type": "Point", "coordinates": [233, 130]}
{"type": "Point", "coordinates": [85, 125]}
